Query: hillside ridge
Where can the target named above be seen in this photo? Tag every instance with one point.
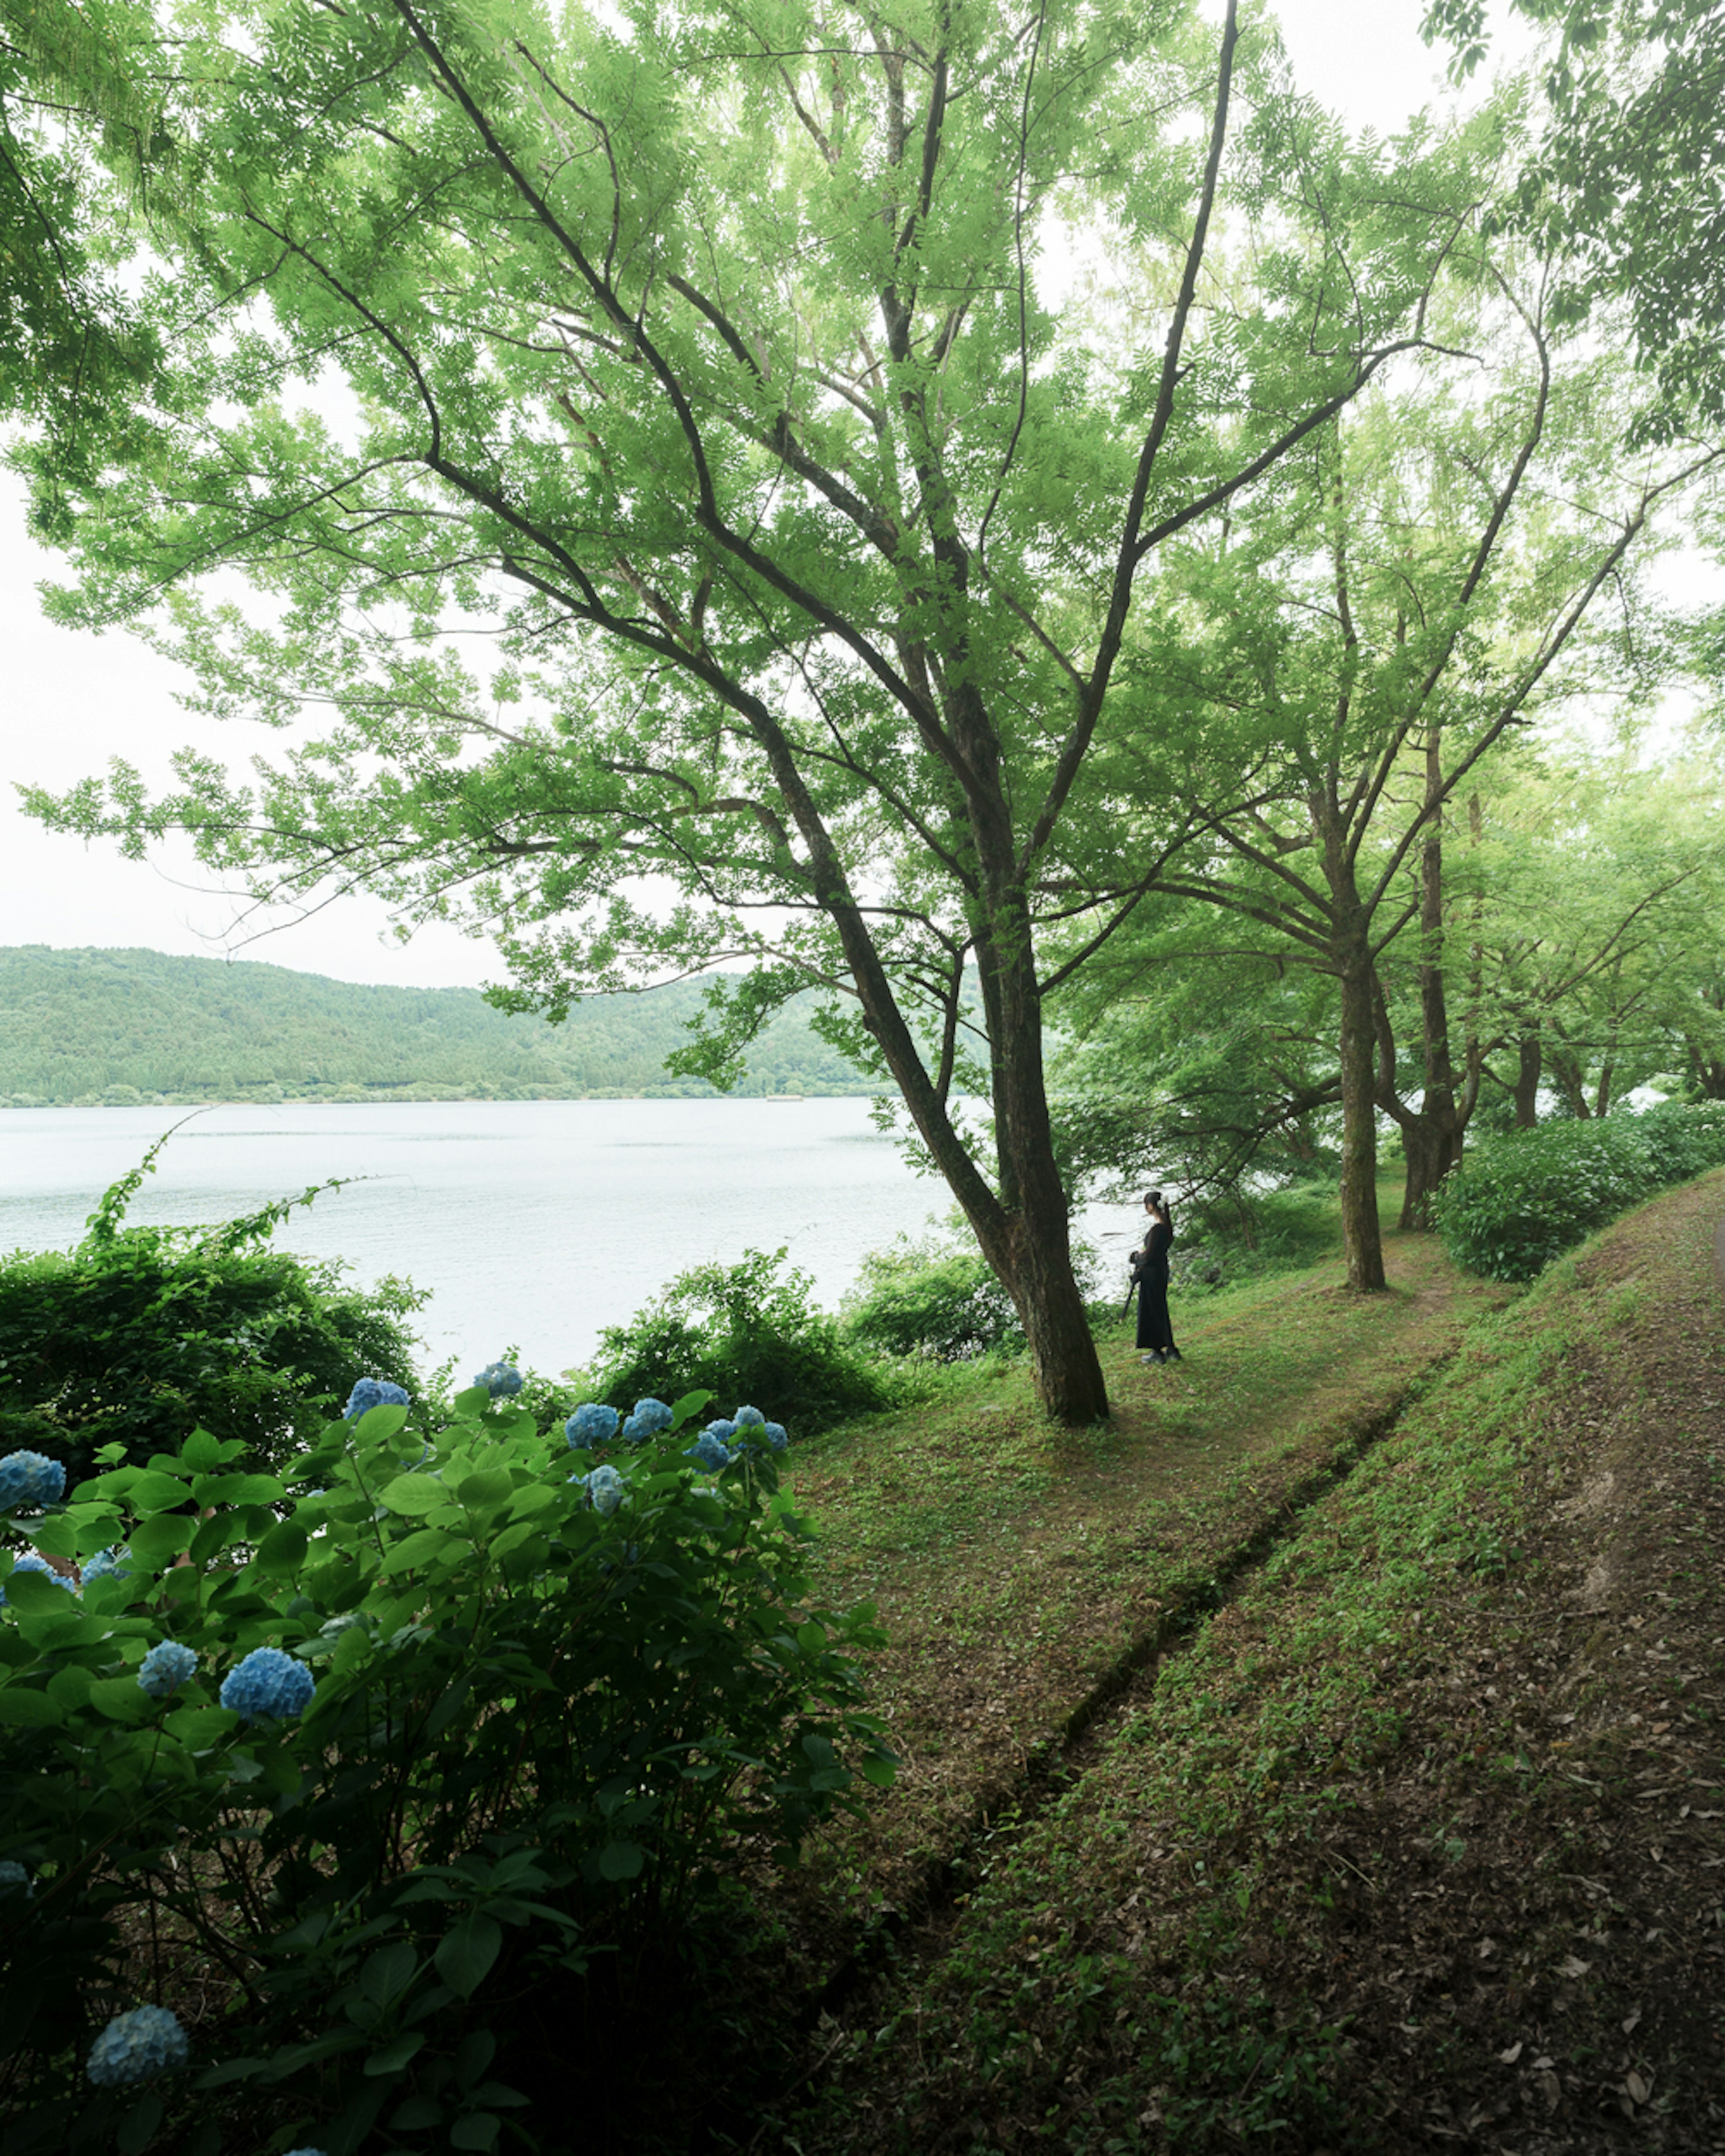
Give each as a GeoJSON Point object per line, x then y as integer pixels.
{"type": "Point", "coordinates": [118, 1028]}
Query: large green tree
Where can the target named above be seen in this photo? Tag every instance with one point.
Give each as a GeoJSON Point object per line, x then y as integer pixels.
{"type": "Point", "coordinates": [727, 367]}
{"type": "Point", "coordinates": [1450, 560]}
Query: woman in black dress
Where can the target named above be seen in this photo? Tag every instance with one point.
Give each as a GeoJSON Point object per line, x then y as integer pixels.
{"type": "Point", "coordinates": [1150, 1266]}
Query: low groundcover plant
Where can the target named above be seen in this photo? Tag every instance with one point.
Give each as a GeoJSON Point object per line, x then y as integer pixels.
{"type": "Point", "coordinates": [391, 1747]}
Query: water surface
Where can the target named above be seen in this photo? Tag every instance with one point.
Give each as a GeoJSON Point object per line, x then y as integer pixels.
{"type": "Point", "coordinates": [533, 1222]}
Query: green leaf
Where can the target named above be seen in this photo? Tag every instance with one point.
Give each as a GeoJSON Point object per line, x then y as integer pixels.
{"type": "Point", "coordinates": [419, 1547]}
{"type": "Point", "coordinates": [36, 1592]}
{"type": "Point", "coordinates": [478, 2130]}
{"type": "Point", "coordinates": [283, 1549]}
{"type": "Point", "coordinates": [484, 1487]}
{"type": "Point", "coordinates": [619, 1860]}
{"type": "Point", "coordinates": [377, 1424]}
{"type": "Point", "coordinates": [71, 1686]}
{"type": "Point", "coordinates": [412, 1494]}
{"type": "Point", "coordinates": [388, 1973]}
{"type": "Point", "coordinates": [882, 1773]}
{"type": "Point", "coordinates": [812, 1638]}
{"type": "Point", "coordinates": [154, 1541]}
{"type": "Point", "coordinates": [394, 2056]}
{"type": "Point", "coordinates": [124, 1700]}
{"type": "Point", "coordinates": [198, 1728]}
{"type": "Point", "coordinates": [238, 1490]}
{"type": "Point", "coordinates": [203, 1451]}
{"type": "Point", "coordinates": [691, 1403]}
{"type": "Point", "coordinates": [135, 2131]}
{"type": "Point", "coordinates": [147, 1491]}
{"type": "Point", "coordinates": [416, 2114]}
{"type": "Point", "coordinates": [30, 1710]}
{"type": "Point", "coordinates": [464, 1956]}
{"type": "Point", "coordinates": [472, 1404]}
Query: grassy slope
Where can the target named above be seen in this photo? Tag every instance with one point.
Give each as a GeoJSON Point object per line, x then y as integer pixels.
{"type": "Point", "coordinates": [1414, 1843]}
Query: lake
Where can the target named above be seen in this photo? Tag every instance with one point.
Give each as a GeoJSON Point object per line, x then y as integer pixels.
{"type": "Point", "coordinates": [533, 1222]}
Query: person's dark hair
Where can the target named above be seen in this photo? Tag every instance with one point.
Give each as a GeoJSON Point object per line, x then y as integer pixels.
{"type": "Point", "coordinates": [1154, 1197]}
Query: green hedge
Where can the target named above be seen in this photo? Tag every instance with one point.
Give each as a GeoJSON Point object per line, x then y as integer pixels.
{"type": "Point", "coordinates": [1519, 1201]}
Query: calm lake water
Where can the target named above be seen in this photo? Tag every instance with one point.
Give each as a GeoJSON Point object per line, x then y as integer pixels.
{"type": "Point", "coordinates": [532, 1223]}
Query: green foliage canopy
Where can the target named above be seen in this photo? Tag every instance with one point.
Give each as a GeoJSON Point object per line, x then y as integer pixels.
{"type": "Point", "coordinates": [723, 369]}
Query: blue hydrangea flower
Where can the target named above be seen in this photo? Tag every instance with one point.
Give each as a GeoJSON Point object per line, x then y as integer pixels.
{"type": "Point", "coordinates": [776, 1435]}
{"type": "Point", "coordinates": [650, 1417]}
{"type": "Point", "coordinates": [32, 1479]}
{"type": "Point", "coordinates": [166, 1668]}
{"type": "Point", "coordinates": [106, 1564]}
{"type": "Point", "coordinates": [722, 1428]}
{"type": "Point", "coordinates": [749, 1419]}
{"type": "Point", "coordinates": [372, 1393]}
{"type": "Point", "coordinates": [710, 1451]}
{"type": "Point", "coordinates": [268, 1685]}
{"type": "Point", "coordinates": [501, 1380]}
{"type": "Point", "coordinates": [605, 1490]}
{"type": "Point", "coordinates": [12, 1878]}
{"type": "Point", "coordinates": [306, 2152]}
{"type": "Point", "coordinates": [33, 1561]}
{"type": "Point", "coordinates": [593, 1423]}
{"type": "Point", "coordinates": [136, 2046]}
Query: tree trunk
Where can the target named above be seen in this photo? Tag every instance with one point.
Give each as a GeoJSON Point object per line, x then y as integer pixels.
{"type": "Point", "coordinates": [1035, 1260]}
{"type": "Point", "coordinates": [1360, 1229]}
{"type": "Point", "coordinates": [1529, 1054]}
{"type": "Point", "coordinates": [1432, 1139]}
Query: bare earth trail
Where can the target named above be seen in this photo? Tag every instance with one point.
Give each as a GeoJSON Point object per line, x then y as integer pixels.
{"type": "Point", "coordinates": [1022, 1573]}
{"type": "Point", "coordinates": [1414, 1839]}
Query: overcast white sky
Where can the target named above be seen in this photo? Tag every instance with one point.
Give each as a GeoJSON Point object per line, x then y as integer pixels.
{"type": "Point", "coordinates": [73, 701]}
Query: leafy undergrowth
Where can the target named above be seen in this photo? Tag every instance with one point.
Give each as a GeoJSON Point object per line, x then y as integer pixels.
{"type": "Point", "coordinates": [1415, 1843]}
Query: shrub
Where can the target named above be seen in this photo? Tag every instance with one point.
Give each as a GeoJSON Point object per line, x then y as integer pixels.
{"type": "Point", "coordinates": [1519, 1201]}
{"type": "Point", "coordinates": [746, 1331]}
{"type": "Point", "coordinates": [141, 1332]}
{"type": "Point", "coordinates": [918, 1299]}
{"type": "Point", "coordinates": [388, 1751]}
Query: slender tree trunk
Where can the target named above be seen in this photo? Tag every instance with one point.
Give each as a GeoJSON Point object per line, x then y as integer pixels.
{"type": "Point", "coordinates": [1360, 1231]}
{"type": "Point", "coordinates": [1432, 1138]}
{"type": "Point", "coordinates": [1529, 1058]}
{"type": "Point", "coordinates": [1035, 1264]}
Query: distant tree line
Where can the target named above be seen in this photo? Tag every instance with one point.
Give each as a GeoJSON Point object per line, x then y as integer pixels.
{"type": "Point", "coordinates": [121, 1028]}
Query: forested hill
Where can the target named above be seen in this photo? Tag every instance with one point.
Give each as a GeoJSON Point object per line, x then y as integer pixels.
{"type": "Point", "coordinates": [118, 1027]}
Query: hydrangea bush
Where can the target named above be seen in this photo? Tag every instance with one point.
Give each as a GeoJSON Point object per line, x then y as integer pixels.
{"type": "Point", "coordinates": [411, 1731]}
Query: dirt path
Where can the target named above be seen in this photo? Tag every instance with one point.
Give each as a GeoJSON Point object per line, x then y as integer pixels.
{"type": "Point", "coordinates": [1418, 1845]}
{"type": "Point", "coordinates": [1024, 1574]}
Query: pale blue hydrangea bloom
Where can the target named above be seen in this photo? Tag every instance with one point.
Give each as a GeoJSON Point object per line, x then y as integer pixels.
{"type": "Point", "coordinates": [501, 1380]}
{"type": "Point", "coordinates": [32, 1479]}
{"type": "Point", "coordinates": [12, 1877]}
{"type": "Point", "coordinates": [306, 2152]}
{"type": "Point", "coordinates": [372, 1393]}
{"type": "Point", "coordinates": [592, 1423]}
{"type": "Point", "coordinates": [749, 1419]}
{"type": "Point", "coordinates": [136, 2046]}
{"type": "Point", "coordinates": [776, 1435]}
{"type": "Point", "coordinates": [267, 1686]}
{"type": "Point", "coordinates": [710, 1451]}
{"type": "Point", "coordinates": [605, 1490]}
{"type": "Point", "coordinates": [166, 1668]}
{"type": "Point", "coordinates": [651, 1416]}
{"type": "Point", "coordinates": [106, 1564]}
{"type": "Point", "coordinates": [722, 1428]}
{"type": "Point", "coordinates": [33, 1561]}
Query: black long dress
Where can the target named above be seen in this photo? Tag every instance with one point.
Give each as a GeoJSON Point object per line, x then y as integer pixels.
{"type": "Point", "coordinates": [1154, 1330]}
